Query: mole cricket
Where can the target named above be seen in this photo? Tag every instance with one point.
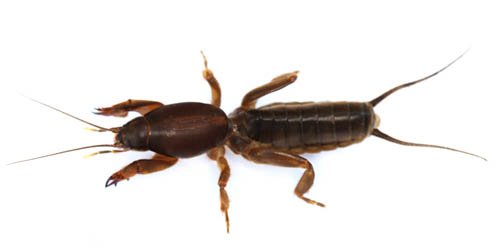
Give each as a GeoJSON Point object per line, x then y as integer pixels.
{"type": "Point", "coordinates": [274, 134]}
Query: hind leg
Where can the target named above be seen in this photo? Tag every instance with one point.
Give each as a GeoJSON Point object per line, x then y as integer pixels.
{"type": "Point", "coordinates": [271, 156]}
{"type": "Point", "coordinates": [249, 100]}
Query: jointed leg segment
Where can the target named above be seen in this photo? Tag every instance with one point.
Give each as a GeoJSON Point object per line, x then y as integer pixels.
{"type": "Point", "coordinates": [122, 109]}
{"type": "Point", "coordinates": [157, 163]}
{"type": "Point", "coordinates": [249, 100]}
{"type": "Point", "coordinates": [218, 154]}
{"type": "Point", "coordinates": [213, 83]}
{"type": "Point", "coordinates": [284, 159]}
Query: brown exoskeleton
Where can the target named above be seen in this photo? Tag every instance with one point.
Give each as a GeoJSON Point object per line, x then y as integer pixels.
{"type": "Point", "coordinates": [274, 134]}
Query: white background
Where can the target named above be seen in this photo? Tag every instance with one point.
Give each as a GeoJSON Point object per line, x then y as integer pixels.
{"type": "Point", "coordinates": [78, 55]}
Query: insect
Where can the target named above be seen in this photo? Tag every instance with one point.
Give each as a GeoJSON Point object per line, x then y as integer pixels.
{"type": "Point", "coordinates": [275, 134]}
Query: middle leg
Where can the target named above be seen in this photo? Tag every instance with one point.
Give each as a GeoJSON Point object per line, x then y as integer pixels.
{"type": "Point", "coordinates": [213, 83]}
{"type": "Point", "coordinates": [218, 154]}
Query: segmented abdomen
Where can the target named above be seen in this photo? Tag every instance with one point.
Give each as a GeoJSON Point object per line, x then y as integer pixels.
{"type": "Point", "coordinates": [303, 125]}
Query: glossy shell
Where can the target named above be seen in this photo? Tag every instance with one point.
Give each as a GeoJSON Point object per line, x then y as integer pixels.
{"type": "Point", "coordinates": [186, 129]}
